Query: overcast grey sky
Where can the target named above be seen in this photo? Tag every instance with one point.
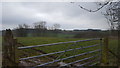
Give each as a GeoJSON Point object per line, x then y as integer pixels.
{"type": "Point", "coordinates": [68, 15]}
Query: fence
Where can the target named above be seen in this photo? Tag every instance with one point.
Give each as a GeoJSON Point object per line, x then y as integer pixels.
{"type": "Point", "coordinates": [10, 50]}
{"type": "Point", "coordinates": [65, 51]}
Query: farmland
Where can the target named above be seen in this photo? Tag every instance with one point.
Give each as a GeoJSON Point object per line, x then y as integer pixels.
{"type": "Point", "coordinates": [28, 41]}
{"type": "Point", "coordinates": [46, 40]}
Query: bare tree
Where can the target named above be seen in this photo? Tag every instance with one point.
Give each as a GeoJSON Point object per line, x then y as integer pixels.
{"type": "Point", "coordinates": [24, 26]}
{"type": "Point", "coordinates": [40, 25]}
{"type": "Point", "coordinates": [112, 15]}
{"type": "Point", "coordinates": [19, 26]}
{"type": "Point", "coordinates": [101, 5]}
{"type": "Point", "coordinates": [56, 26]}
{"type": "Point", "coordinates": [21, 30]}
{"type": "Point", "coordinates": [40, 28]}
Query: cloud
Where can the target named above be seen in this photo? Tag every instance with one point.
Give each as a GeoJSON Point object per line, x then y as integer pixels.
{"type": "Point", "coordinates": [56, 0]}
{"type": "Point", "coordinates": [53, 0]}
{"type": "Point", "coordinates": [68, 15]}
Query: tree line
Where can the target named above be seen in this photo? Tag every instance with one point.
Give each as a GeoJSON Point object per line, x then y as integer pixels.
{"type": "Point", "coordinates": [39, 29]}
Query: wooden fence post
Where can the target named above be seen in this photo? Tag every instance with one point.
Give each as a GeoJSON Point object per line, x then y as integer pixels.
{"type": "Point", "coordinates": [105, 51]}
{"type": "Point", "coordinates": [8, 50]}
{"type": "Point", "coordinates": [118, 49]}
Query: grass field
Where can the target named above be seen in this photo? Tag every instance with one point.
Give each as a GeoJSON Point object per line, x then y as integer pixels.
{"type": "Point", "coordinates": [113, 44]}
{"type": "Point", "coordinates": [46, 40]}
{"type": "Point", "coordinates": [28, 41]}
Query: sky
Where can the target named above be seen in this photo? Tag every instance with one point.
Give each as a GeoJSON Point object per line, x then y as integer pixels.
{"type": "Point", "coordinates": [68, 15]}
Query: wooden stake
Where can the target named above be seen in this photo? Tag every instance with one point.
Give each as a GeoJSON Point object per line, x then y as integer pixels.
{"type": "Point", "coordinates": [105, 51]}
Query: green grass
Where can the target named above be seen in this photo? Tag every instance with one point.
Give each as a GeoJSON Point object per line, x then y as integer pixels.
{"type": "Point", "coordinates": [65, 35]}
{"type": "Point", "coordinates": [45, 40]}
{"type": "Point", "coordinates": [42, 40]}
{"type": "Point", "coordinates": [113, 44]}
{"type": "Point", "coordinates": [28, 41]}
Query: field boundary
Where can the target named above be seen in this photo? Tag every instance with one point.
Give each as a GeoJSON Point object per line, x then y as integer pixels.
{"type": "Point", "coordinates": [11, 46]}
